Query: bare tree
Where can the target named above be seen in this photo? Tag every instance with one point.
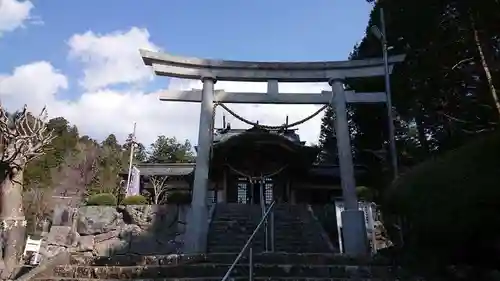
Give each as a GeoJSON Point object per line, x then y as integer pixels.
{"type": "Point", "coordinates": [159, 188]}
{"type": "Point", "coordinates": [73, 177]}
{"type": "Point", "coordinates": [88, 162]}
{"type": "Point", "coordinates": [37, 207]}
{"type": "Point", "coordinates": [23, 137]}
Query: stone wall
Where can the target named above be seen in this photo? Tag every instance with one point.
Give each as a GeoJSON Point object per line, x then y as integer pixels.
{"type": "Point", "coordinates": [107, 231]}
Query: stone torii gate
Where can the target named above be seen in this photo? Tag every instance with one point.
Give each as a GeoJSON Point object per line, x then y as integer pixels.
{"type": "Point", "coordinates": [209, 71]}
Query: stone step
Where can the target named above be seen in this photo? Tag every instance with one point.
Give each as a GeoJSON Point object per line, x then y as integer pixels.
{"type": "Point", "coordinates": [278, 234]}
{"type": "Point", "coordinates": [280, 222]}
{"type": "Point", "coordinates": [259, 248]}
{"type": "Point", "coordinates": [300, 240]}
{"type": "Point", "coordinates": [288, 214]}
{"type": "Point", "coordinates": [243, 237]}
{"type": "Point", "coordinates": [255, 217]}
{"type": "Point", "coordinates": [241, 233]}
{"type": "Point", "coordinates": [294, 228]}
{"type": "Point", "coordinates": [243, 213]}
{"type": "Point", "coordinates": [228, 258]}
{"type": "Point", "coordinates": [286, 222]}
{"type": "Point", "coordinates": [219, 278]}
{"type": "Point", "coordinates": [285, 241]}
{"type": "Point", "coordinates": [246, 233]}
{"type": "Point", "coordinates": [278, 248]}
{"type": "Point", "coordinates": [249, 230]}
{"type": "Point", "coordinates": [251, 226]}
{"type": "Point", "coordinates": [210, 270]}
{"type": "Point", "coordinates": [278, 238]}
{"type": "Point", "coordinates": [285, 227]}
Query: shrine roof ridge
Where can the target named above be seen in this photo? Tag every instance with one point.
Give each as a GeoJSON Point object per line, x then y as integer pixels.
{"type": "Point", "coordinates": [165, 64]}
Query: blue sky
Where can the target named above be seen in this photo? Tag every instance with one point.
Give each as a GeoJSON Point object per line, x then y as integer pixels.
{"type": "Point", "coordinates": [276, 30]}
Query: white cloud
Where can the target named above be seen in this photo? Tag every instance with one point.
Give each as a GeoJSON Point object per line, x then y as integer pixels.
{"type": "Point", "coordinates": [13, 14]}
{"type": "Point", "coordinates": [100, 110]}
{"type": "Point", "coordinates": [111, 58]}
{"type": "Point", "coordinates": [44, 83]}
{"type": "Point", "coordinates": [97, 113]}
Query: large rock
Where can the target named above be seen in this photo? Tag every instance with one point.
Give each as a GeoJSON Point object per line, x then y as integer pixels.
{"type": "Point", "coordinates": [49, 251]}
{"type": "Point", "coordinates": [110, 247]}
{"type": "Point", "coordinates": [146, 216]}
{"type": "Point", "coordinates": [106, 236]}
{"type": "Point", "coordinates": [105, 231]}
{"type": "Point", "coordinates": [86, 243]}
{"type": "Point", "coordinates": [98, 219]}
{"type": "Point", "coordinates": [63, 216]}
{"type": "Point", "coordinates": [140, 215]}
{"type": "Point", "coordinates": [381, 238]}
{"type": "Point", "coordinates": [61, 236]}
{"type": "Point", "coordinates": [130, 230]}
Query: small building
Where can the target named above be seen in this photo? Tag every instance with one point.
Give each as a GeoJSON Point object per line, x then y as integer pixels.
{"type": "Point", "coordinates": [243, 160]}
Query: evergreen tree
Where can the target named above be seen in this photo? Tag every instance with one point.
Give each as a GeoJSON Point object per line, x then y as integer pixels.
{"type": "Point", "coordinates": [170, 150]}
{"type": "Point", "coordinates": [139, 149]}
{"type": "Point", "coordinates": [327, 138]}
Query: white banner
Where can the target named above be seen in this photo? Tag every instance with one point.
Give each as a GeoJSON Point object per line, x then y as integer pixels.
{"type": "Point", "coordinates": [135, 182]}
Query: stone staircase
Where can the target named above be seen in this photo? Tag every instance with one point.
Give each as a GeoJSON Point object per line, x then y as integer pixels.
{"type": "Point", "coordinates": [267, 266]}
{"type": "Point", "coordinates": [301, 254]}
{"type": "Point", "coordinates": [295, 229]}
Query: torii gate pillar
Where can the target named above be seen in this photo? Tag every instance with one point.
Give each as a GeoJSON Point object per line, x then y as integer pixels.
{"type": "Point", "coordinates": [353, 219]}
{"type": "Point", "coordinates": [195, 240]}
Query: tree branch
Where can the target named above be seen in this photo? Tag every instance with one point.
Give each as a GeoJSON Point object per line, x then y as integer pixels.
{"type": "Point", "coordinates": [159, 187]}
{"type": "Point", "coordinates": [461, 62]}
{"type": "Point", "coordinates": [477, 131]}
{"type": "Point", "coordinates": [23, 136]}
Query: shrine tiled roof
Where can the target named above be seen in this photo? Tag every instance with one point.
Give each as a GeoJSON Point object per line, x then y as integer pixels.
{"type": "Point", "coordinates": [222, 135]}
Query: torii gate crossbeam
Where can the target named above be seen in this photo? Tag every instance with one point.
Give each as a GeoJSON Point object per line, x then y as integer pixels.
{"type": "Point", "coordinates": [222, 96]}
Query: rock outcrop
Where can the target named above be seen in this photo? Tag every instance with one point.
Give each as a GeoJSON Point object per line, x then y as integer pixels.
{"type": "Point", "coordinates": [106, 231]}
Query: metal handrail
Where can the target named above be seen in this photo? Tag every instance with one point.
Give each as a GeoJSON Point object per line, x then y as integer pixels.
{"type": "Point", "coordinates": [249, 241]}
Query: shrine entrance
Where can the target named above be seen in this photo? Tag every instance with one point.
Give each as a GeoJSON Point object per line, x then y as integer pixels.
{"type": "Point", "coordinates": [249, 192]}
{"type": "Point", "coordinates": [254, 164]}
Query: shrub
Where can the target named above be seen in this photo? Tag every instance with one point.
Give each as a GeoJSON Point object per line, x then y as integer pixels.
{"type": "Point", "coordinates": [365, 193]}
{"type": "Point", "coordinates": [135, 200]}
{"type": "Point", "coordinates": [450, 206]}
{"type": "Point", "coordinates": [102, 199]}
{"type": "Point", "coordinates": [178, 197]}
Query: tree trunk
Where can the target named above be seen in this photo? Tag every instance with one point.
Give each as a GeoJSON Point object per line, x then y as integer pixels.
{"type": "Point", "coordinates": [13, 214]}
{"type": "Point", "coordinates": [485, 65]}
{"type": "Point", "coordinates": [422, 136]}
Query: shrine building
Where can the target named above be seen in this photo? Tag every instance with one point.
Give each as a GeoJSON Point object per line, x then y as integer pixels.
{"type": "Point", "coordinates": [243, 159]}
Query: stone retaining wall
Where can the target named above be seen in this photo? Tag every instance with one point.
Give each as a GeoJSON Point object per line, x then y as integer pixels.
{"type": "Point", "coordinates": [106, 231]}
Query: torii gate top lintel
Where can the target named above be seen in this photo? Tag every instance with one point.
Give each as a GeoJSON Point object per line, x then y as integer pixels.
{"type": "Point", "coordinates": [165, 64]}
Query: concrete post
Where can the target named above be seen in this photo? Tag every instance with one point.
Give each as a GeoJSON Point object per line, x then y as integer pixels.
{"type": "Point", "coordinates": [353, 220]}
{"type": "Point", "coordinates": [197, 225]}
